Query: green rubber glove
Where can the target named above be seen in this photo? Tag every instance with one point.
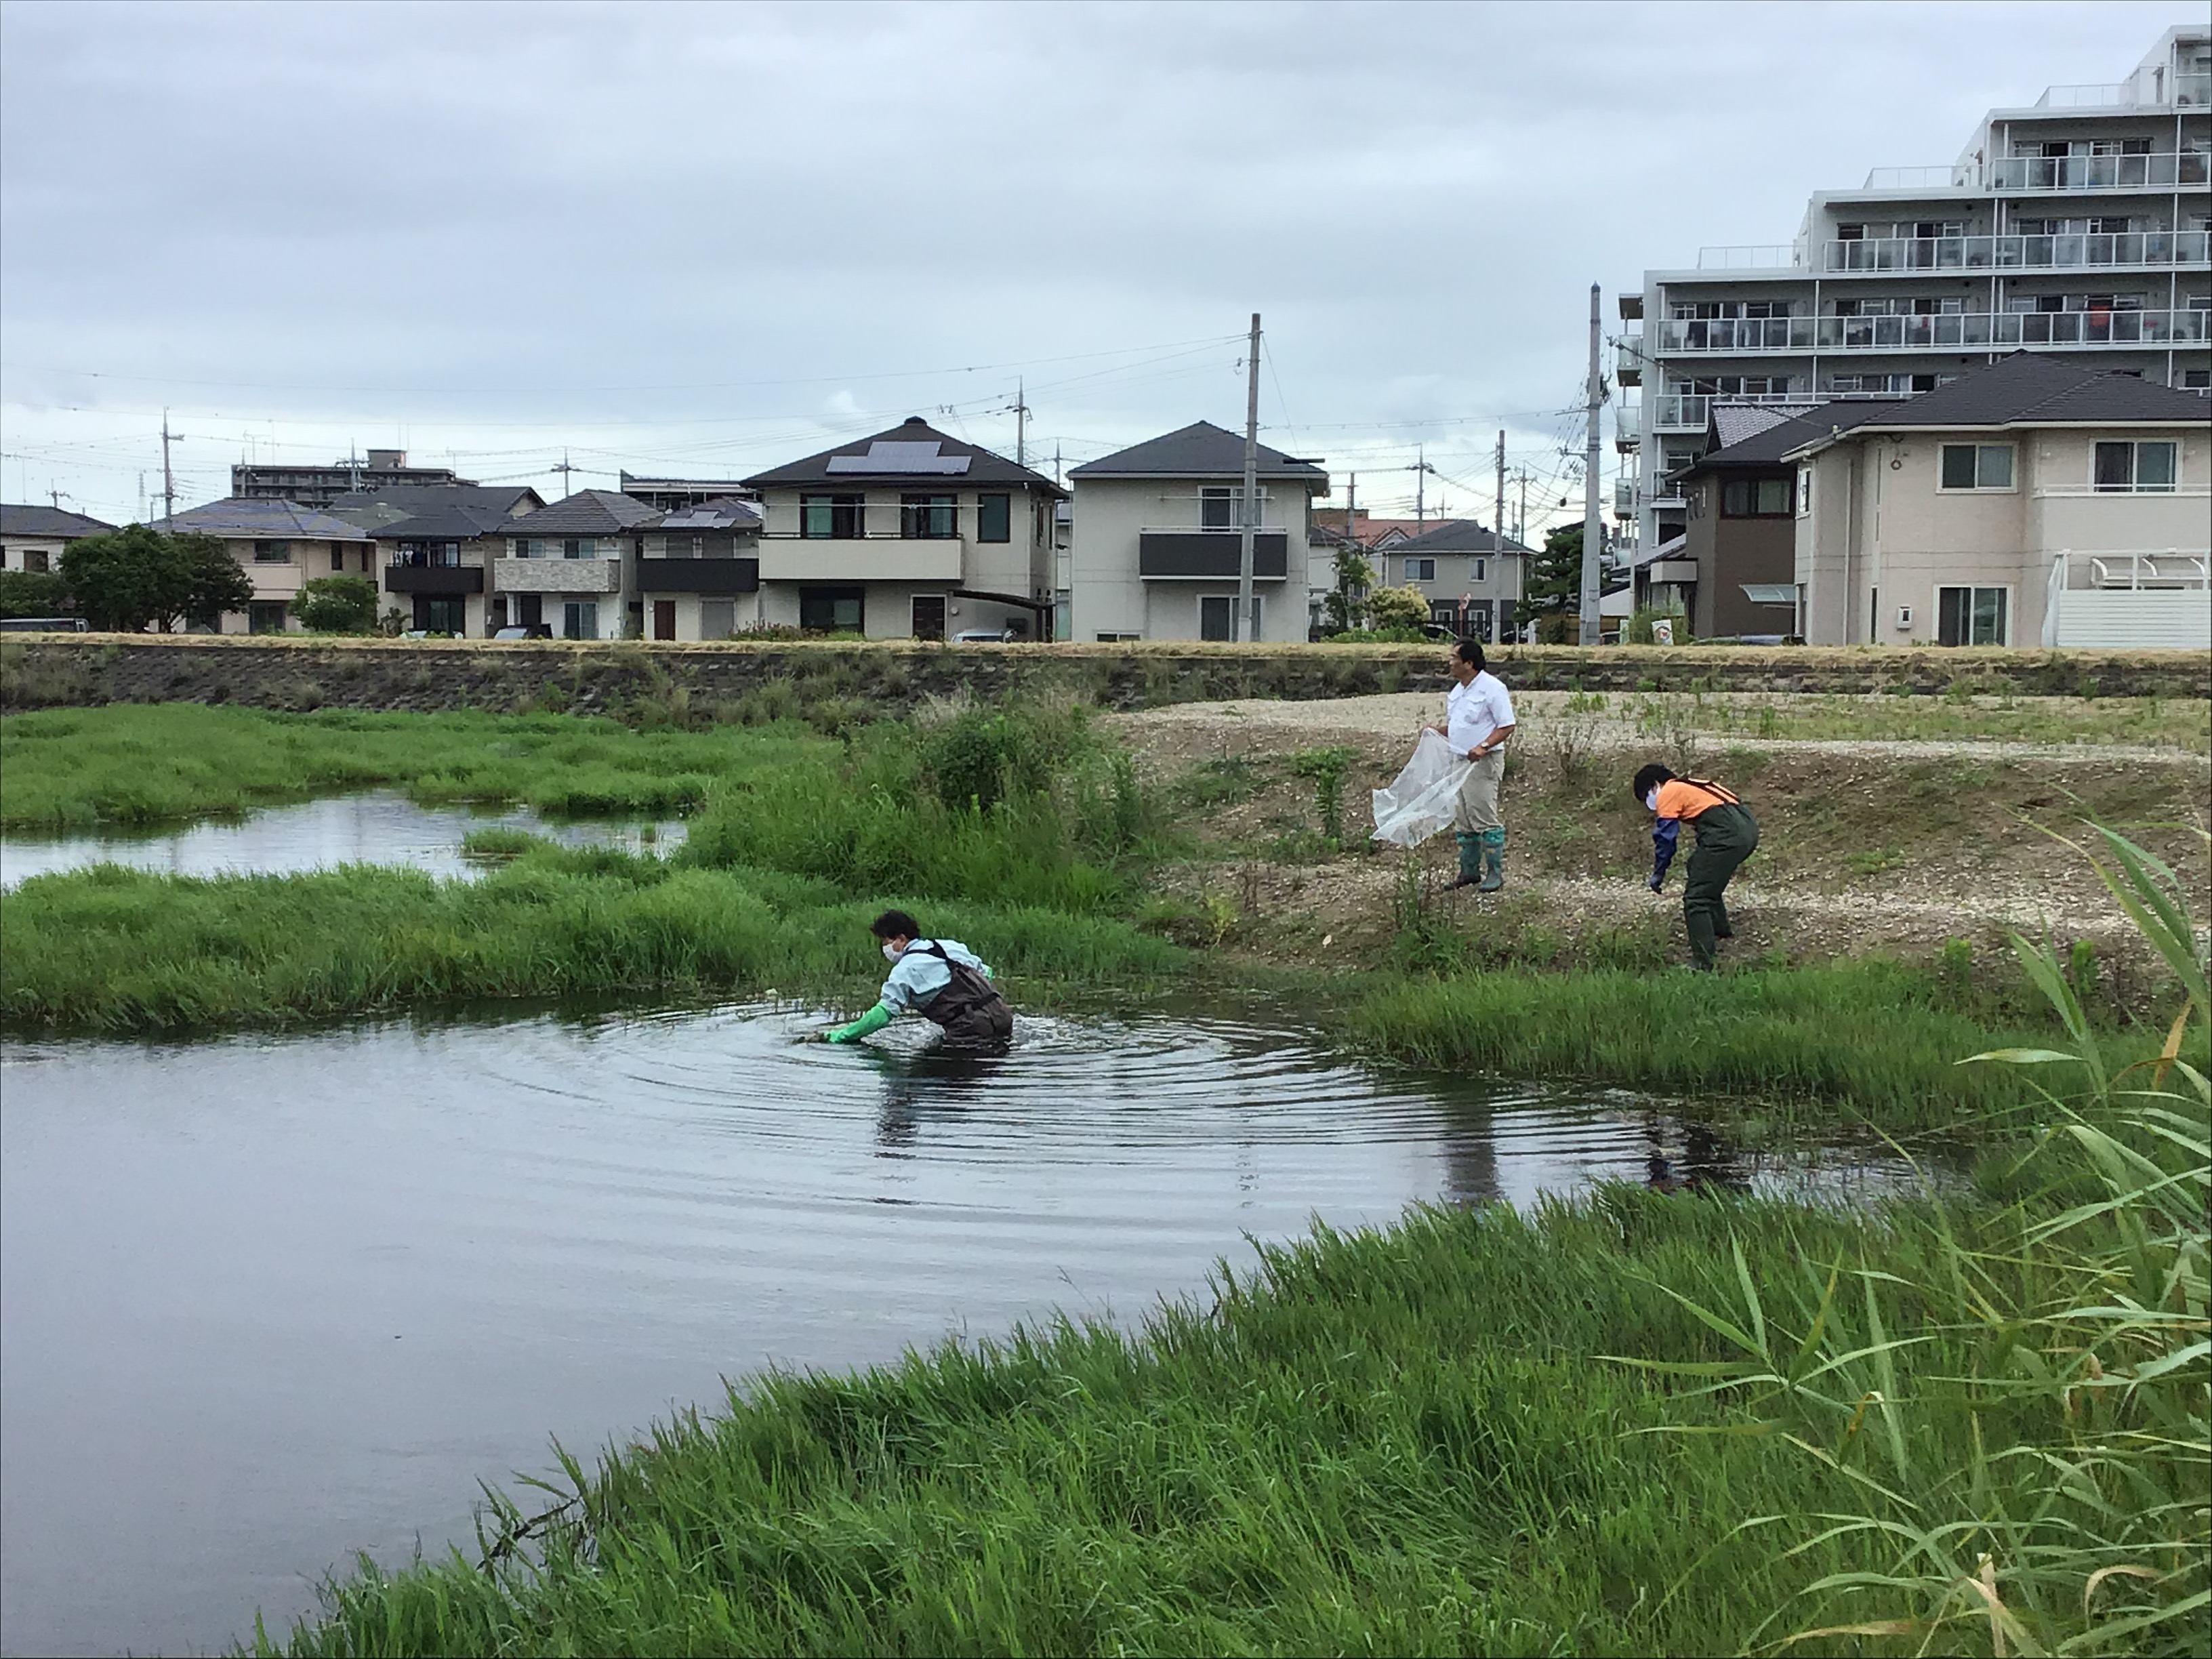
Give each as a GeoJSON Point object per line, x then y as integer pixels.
{"type": "Point", "coordinates": [874, 1020]}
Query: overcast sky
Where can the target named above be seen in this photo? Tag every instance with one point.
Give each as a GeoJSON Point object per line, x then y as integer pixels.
{"type": "Point", "coordinates": [705, 239]}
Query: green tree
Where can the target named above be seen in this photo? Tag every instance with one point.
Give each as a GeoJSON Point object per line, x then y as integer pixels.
{"type": "Point", "coordinates": [337, 604]}
{"type": "Point", "coordinates": [1553, 590]}
{"type": "Point", "coordinates": [127, 579]}
{"type": "Point", "coordinates": [1344, 606]}
{"type": "Point", "coordinates": [1398, 608]}
{"type": "Point", "coordinates": [33, 594]}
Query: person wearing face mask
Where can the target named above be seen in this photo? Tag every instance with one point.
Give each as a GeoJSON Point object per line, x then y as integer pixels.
{"type": "Point", "coordinates": [1726, 834]}
{"type": "Point", "coordinates": [941, 980]}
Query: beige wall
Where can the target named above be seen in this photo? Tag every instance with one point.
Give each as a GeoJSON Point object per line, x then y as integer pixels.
{"type": "Point", "coordinates": [1109, 597]}
{"type": "Point", "coordinates": [276, 583]}
{"type": "Point", "coordinates": [11, 556]}
{"type": "Point", "coordinates": [1884, 535]}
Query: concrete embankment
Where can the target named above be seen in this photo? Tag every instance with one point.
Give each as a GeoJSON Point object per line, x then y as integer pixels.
{"type": "Point", "coordinates": [295, 672]}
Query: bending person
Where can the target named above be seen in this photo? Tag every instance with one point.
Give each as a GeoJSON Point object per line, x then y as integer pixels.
{"type": "Point", "coordinates": [1727, 833]}
{"type": "Point", "coordinates": [941, 980]}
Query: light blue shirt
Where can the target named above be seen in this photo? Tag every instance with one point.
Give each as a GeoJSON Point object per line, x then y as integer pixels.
{"type": "Point", "coordinates": [918, 976]}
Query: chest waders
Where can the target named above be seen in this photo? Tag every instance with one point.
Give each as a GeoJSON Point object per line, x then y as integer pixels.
{"type": "Point", "coordinates": [970, 1010]}
{"type": "Point", "coordinates": [1727, 833]}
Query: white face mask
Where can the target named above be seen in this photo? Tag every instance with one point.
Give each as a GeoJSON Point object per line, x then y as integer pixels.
{"type": "Point", "coordinates": [891, 951]}
{"type": "Point", "coordinates": [1652, 801]}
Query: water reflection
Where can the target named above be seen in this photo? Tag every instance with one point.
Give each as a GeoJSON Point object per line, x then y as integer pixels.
{"type": "Point", "coordinates": [267, 1301]}
{"type": "Point", "coordinates": [378, 826]}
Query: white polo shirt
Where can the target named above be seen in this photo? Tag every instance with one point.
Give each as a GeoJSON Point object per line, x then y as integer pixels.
{"type": "Point", "coordinates": [1473, 711]}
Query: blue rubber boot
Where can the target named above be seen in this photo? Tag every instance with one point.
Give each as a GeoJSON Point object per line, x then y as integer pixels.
{"type": "Point", "coordinates": [1470, 857]}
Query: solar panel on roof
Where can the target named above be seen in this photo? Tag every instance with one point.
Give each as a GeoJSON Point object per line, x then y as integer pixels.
{"type": "Point", "coordinates": [891, 455]}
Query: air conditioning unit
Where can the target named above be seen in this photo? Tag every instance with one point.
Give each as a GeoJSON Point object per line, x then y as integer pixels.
{"type": "Point", "coordinates": [1904, 616]}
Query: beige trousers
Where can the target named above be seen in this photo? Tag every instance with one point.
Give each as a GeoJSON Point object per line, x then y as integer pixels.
{"type": "Point", "coordinates": [1476, 805]}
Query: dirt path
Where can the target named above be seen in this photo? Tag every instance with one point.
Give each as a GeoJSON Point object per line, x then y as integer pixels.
{"type": "Point", "coordinates": [1895, 844]}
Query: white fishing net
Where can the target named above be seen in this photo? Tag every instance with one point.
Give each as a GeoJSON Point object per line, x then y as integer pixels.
{"type": "Point", "coordinates": [1418, 802]}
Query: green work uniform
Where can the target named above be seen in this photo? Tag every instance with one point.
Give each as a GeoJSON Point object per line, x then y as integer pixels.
{"type": "Point", "coordinates": [1727, 833]}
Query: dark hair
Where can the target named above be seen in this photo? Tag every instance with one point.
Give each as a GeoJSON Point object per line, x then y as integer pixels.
{"type": "Point", "coordinates": [1469, 652]}
{"type": "Point", "coordinates": [895, 924]}
{"type": "Point", "coordinates": [1647, 780]}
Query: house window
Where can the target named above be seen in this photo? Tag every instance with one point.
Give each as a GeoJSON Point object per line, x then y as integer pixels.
{"type": "Point", "coordinates": [1217, 510]}
{"type": "Point", "coordinates": [527, 547]}
{"type": "Point", "coordinates": [34, 558]}
{"type": "Point", "coordinates": [580, 620]}
{"type": "Point", "coordinates": [1804, 492]}
{"type": "Point", "coordinates": [1971, 615]}
{"type": "Point", "coordinates": [272, 552]}
{"type": "Point", "coordinates": [1977, 466]}
{"type": "Point", "coordinates": [443, 615]}
{"type": "Point", "coordinates": [581, 547]}
{"type": "Point", "coordinates": [833, 610]}
{"type": "Point", "coordinates": [1755, 498]}
{"type": "Point", "coordinates": [830, 518]}
{"type": "Point", "coordinates": [1478, 569]}
{"type": "Point", "coordinates": [2135, 466]}
{"type": "Point", "coordinates": [928, 518]}
{"type": "Point", "coordinates": [994, 518]}
{"type": "Point", "coordinates": [264, 617]}
{"type": "Point", "coordinates": [337, 556]}
{"type": "Point", "coordinates": [1420, 570]}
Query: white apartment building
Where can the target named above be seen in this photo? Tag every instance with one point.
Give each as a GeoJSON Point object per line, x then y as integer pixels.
{"type": "Point", "coordinates": [2077, 226]}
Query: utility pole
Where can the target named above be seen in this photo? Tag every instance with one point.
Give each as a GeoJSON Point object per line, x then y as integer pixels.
{"type": "Point", "coordinates": [1498, 524]}
{"type": "Point", "coordinates": [1241, 626]}
{"type": "Point", "coordinates": [564, 469]}
{"type": "Point", "coordinates": [169, 473]}
{"type": "Point", "coordinates": [1021, 427]}
{"type": "Point", "coordinates": [1593, 525]}
{"type": "Point", "coordinates": [1521, 519]}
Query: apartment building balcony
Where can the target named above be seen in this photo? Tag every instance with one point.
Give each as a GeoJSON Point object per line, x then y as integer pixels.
{"type": "Point", "coordinates": [556, 576]}
{"type": "Point", "coordinates": [732, 575]}
{"type": "Point", "coordinates": [2161, 170]}
{"type": "Point", "coordinates": [1947, 331]}
{"type": "Point", "coordinates": [1184, 554]}
{"type": "Point", "coordinates": [1687, 411]}
{"type": "Point", "coordinates": [2126, 249]}
{"type": "Point", "coordinates": [1624, 498]}
{"type": "Point", "coordinates": [437, 580]}
{"type": "Point", "coordinates": [787, 558]}
{"type": "Point", "coordinates": [2191, 89]}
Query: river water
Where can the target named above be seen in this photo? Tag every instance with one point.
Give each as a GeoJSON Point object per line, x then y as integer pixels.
{"type": "Point", "coordinates": [376, 826]}
{"type": "Point", "coordinates": [267, 1301]}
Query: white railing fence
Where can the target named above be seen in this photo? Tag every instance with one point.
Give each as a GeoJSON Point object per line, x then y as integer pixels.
{"type": "Point", "coordinates": [2143, 599]}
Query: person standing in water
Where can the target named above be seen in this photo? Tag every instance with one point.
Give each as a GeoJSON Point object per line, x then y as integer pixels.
{"type": "Point", "coordinates": [941, 980]}
{"type": "Point", "coordinates": [1478, 718]}
{"type": "Point", "coordinates": [1726, 834]}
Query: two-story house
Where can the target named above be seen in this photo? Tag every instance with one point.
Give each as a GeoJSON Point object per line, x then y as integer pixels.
{"type": "Point", "coordinates": [436, 564]}
{"type": "Point", "coordinates": [909, 534]}
{"type": "Point", "coordinates": [33, 538]}
{"type": "Point", "coordinates": [1158, 539]}
{"type": "Point", "coordinates": [1474, 579]}
{"type": "Point", "coordinates": [2038, 499]}
{"type": "Point", "coordinates": [697, 573]}
{"type": "Point", "coordinates": [282, 546]}
{"type": "Point", "coordinates": [564, 567]}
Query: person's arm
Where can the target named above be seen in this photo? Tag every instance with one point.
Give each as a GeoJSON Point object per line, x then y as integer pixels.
{"type": "Point", "coordinates": [1664, 834]}
{"type": "Point", "coordinates": [1496, 739]}
{"type": "Point", "coordinates": [874, 1020]}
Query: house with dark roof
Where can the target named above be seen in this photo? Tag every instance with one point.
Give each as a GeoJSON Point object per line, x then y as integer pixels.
{"type": "Point", "coordinates": [33, 538]}
{"type": "Point", "coordinates": [1732, 571]}
{"type": "Point", "coordinates": [2036, 499]}
{"type": "Point", "coordinates": [566, 568]}
{"type": "Point", "coordinates": [909, 534]}
{"type": "Point", "coordinates": [282, 546]}
{"type": "Point", "coordinates": [1473, 578]}
{"type": "Point", "coordinates": [436, 564]}
{"type": "Point", "coordinates": [697, 573]}
{"type": "Point", "coordinates": [375, 505]}
{"type": "Point", "coordinates": [1158, 539]}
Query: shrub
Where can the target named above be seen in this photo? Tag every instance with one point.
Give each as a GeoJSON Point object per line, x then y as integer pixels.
{"type": "Point", "coordinates": [337, 604]}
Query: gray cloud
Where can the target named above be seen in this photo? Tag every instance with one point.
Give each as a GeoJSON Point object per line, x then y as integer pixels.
{"type": "Point", "coordinates": [706, 237]}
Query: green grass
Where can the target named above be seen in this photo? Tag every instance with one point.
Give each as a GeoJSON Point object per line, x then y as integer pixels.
{"type": "Point", "coordinates": [80, 769]}
{"type": "Point", "coordinates": [1960, 715]}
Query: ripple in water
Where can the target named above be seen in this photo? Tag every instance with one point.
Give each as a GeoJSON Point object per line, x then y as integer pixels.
{"type": "Point", "coordinates": [267, 1301]}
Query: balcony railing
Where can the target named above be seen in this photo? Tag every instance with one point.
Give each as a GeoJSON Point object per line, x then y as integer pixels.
{"type": "Point", "coordinates": [1687, 411]}
{"type": "Point", "coordinates": [1952, 178]}
{"type": "Point", "coordinates": [1950, 332]}
{"type": "Point", "coordinates": [1760, 255]}
{"type": "Point", "coordinates": [698, 575]}
{"type": "Point", "coordinates": [2067, 251]}
{"type": "Point", "coordinates": [447, 581]}
{"type": "Point", "coordinates": [1209, 553]}
{"type": "Point", "coordinates": [2161, 170]}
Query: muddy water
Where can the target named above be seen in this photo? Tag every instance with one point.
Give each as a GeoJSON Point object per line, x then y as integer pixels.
{"type": "Point", "coordinates": [375, 827]}
{"type": "Point", "coordinates": [267, 1302]}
